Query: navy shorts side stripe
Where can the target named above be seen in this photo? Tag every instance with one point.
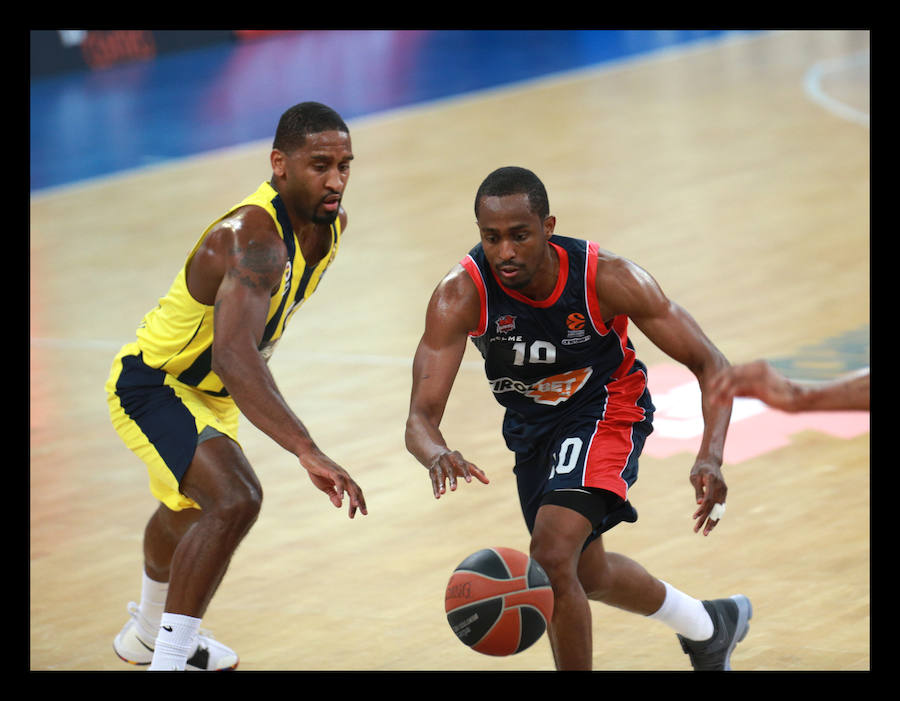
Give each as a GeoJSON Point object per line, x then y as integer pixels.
{"type": "Point", "coordinates": [158, 412]}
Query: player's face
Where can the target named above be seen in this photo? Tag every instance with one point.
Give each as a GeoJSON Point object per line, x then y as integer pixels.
{"type": "Point", "coordinates": [514, 240]}
{"type": "Point", "coordinates": [315, 175]}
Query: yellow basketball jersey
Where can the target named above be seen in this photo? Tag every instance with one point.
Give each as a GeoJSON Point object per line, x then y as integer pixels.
{"type": "Point", "coordinates": [177, 335]}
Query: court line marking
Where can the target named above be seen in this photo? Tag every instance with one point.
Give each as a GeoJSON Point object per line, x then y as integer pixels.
{"type": "Point", "coordinates": [370, 359]}
{"type": "Point", "coordinates": [812, 85]}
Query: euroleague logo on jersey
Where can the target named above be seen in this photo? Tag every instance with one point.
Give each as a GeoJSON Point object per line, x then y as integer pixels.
{"type": "Point", "coordinates": [575, 323]}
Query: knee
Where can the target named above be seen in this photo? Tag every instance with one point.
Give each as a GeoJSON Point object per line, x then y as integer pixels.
{"type": "Point", "coordinates": [557, 561]}
{"type": "Point", "coordinates": [224, 486]}
{"type": "Point", "coordinates": [233, 508]}
{"type": "Point", "coordinates": [240, 505]}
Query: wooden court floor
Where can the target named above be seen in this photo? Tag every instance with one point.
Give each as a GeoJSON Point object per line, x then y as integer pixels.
{"type": "Point", "coordinates": [742, 191]}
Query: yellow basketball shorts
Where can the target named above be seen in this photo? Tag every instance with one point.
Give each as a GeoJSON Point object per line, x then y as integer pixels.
{"type": "Point", "coordinates": [160, 419]}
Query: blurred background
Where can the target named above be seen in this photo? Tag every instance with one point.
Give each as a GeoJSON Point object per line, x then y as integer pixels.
{"type": "Point", "coordinates": [732, 165]}
{"type": "Point", "coordinates": [105, 101]}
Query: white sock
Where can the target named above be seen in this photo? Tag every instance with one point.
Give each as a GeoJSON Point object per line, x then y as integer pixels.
{"type": "Point", "coordinates": [176, 639]}
{"type": "Point", "coordinates": [684, 614]}
{"type": "Point", "coordinates": [153, 602]}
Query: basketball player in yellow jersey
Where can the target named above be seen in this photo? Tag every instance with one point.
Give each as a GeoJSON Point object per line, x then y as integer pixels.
{"type": "Point", "coordinates": [200, 359]}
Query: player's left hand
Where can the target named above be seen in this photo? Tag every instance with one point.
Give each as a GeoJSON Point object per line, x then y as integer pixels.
{"type": "Point", "coordinates": [710, 490]}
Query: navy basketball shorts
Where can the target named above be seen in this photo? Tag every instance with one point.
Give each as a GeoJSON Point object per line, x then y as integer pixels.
{"type": "Point", "coordinates": [587, 465]}
{"type": "Point", "coordinates": [162, 421]}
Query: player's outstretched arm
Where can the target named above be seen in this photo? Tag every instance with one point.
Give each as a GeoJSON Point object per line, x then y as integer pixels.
{"type": "Point", "coordinates": [628, 289]}
{"type": "Point", "coordinates": [760, 380]}
{"type": "Point", "coordinates": [243, 261]}
{"type": "Point", "coordinates": [452, 312]}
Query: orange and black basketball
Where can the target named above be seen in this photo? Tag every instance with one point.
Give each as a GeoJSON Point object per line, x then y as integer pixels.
{"type": "Point", "coordinates": [498, 601]}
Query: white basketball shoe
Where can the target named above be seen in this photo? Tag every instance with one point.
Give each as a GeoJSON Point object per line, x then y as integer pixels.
{"type": "Point", "coordinates": [209, 655]}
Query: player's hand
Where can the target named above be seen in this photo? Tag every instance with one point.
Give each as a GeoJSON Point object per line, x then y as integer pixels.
{"type": "Point", "coordinates": [337, 484]}
{"type": "Point", "coordinates": [757, 379]}
{"type": "Point", "coordinates": [446, 467]}
{"type": "Point", "coordinates": [710, 490]}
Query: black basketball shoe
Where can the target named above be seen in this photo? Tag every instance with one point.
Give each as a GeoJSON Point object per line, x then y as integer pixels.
{"type": "Point", "coordinates": [731, 621]}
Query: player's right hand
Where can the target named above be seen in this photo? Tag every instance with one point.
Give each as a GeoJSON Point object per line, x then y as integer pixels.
{"type": "Point", "coordinates": [446, 467]}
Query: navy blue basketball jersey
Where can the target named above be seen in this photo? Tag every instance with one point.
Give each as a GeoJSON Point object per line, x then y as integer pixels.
{"type": "Point", "coordinates": [552, 359]}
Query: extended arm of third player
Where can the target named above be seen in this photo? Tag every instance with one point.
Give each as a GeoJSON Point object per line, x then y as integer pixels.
{"type": "Point", "coordinates": [849, 392]}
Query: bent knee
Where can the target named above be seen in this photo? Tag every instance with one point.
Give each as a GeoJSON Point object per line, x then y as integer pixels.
{"type": "Point", "coordinates": [220, 479]}
{"type": "Point", "coordinates": [234, 500]}
{"type": "Point", "coordinates": [241, 503]}
{"type": "Point", "coordinates": [557, 540]}
{"type": "Point", "coordinates": [559, 562]}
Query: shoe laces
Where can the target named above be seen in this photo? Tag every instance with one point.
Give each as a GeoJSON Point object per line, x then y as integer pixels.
{"type": "Point", "coordinates": [141, 626]}
{"type": "Point", "coordinates": [135, 612]}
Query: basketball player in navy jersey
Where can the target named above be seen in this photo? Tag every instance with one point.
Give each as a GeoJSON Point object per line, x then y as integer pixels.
{"type": "Point", "coordinates": [199, 360]}
{"type": "Point", "coordinates": [550, 316]}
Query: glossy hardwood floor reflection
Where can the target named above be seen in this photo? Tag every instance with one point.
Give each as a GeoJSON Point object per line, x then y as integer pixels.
{"type": "Point", "coordinates": [714, 169]}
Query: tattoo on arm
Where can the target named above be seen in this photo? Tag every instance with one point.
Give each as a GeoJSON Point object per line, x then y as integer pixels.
{"type": "Point", "coordinates": [257, 266]}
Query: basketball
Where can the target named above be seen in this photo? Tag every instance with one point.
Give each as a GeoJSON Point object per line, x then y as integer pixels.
{"type": "Point", "coordinates": [498, 601]}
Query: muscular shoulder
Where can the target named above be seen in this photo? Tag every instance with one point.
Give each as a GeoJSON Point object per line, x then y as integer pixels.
{"type": "Point", "coordinates": [249, 223]}
{"type": "Point", "coordinates": [623, 287]}
{"type": "Point", "coordinates": [457, 284]}
{"type": "Point", "coordinates": [246, 242]}
{"type": "Point", "coordinates": [455, 303]}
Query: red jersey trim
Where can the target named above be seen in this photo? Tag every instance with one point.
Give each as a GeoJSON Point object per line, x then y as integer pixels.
{"type": "Point", "coordinates": [620, 328]}
{"type": "Point", "coordinates": [619, 323]}
{"type": "Point", "coordinates": [590, 288]}
{"type": "Point", "coordinates": [561, 281]}
{"type": "Point", "coordinates": [472, 268]}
